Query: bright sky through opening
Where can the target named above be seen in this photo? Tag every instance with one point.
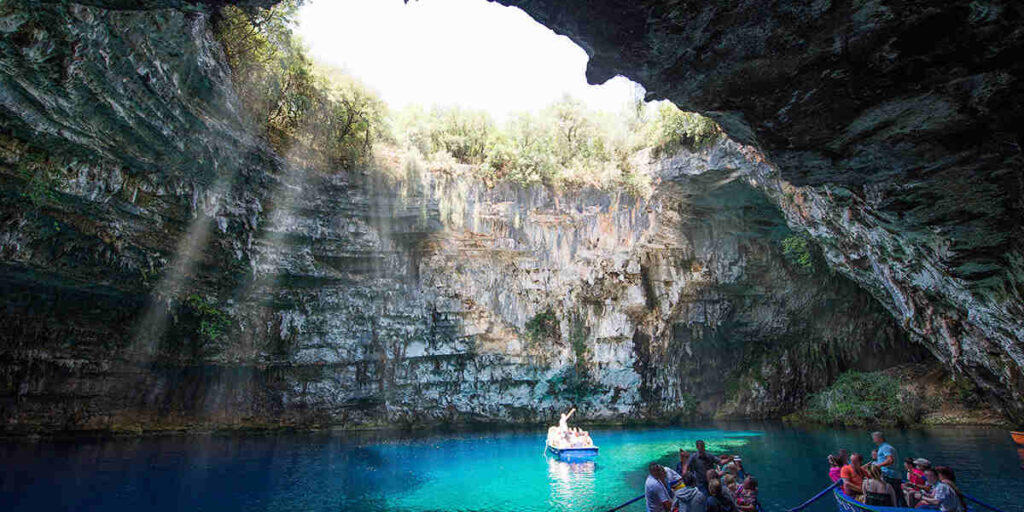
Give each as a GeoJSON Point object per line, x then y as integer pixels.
{"type": "Point", "coordinates": [470, 53]}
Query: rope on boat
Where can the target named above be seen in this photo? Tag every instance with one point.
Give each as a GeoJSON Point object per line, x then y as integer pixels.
{"type": "Point", "coordinates": [818, 497]}
{"type": "Point", "coordinates": [979, 502]}
{"type": "Point", "coordinates": [626, 504]}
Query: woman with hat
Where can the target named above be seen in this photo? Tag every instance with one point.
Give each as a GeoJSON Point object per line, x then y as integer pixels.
{"type": "Point", "coordinates": [916, 481]}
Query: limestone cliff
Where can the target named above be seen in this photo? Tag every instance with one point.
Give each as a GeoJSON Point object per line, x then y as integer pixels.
{"type": "Point", "coordinates": [160, 268]}
{"type": "Point", "coordinates": [898, 121]}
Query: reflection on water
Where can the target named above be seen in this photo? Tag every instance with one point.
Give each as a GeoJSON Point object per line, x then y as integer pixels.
{"type": "Point", "coordinates": [468, 471]}
{"type": "Point", "coordinates": [571, 480]}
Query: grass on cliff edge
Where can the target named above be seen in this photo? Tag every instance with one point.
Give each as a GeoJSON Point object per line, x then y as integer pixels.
{"type": "Point", "coordinates": [863, 399]}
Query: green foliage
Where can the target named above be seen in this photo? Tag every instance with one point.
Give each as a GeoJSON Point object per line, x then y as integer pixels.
{"type": "Point", "coordinates": [210, 322]}
{"type": "Point", "coordinates": [565, 144]}
{"type": "Point", "coordinates": [323, 119]}
{"type": "Point", "coordinates": [578, 339]}
{"type": "Point", "coordinates": [798, 250]}
{"type": "Point", "coordinates": [315, 116]}
{"type": "Point", "coordinates": [543, 326]}
{"type": "Point", "coordinates": [461, 133]}
{"type": "Point", "coordinates": [859, 399]}
{"type": "Point", "coordinates": [574, 383]}
{"type": "Point", "coordinates": [39, 176]}
{"type": "Point", "coordinates": [673, 129]}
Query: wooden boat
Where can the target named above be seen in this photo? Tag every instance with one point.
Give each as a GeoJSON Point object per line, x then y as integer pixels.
{"type": "Point", "coordinates": [1018, 437]}
{"type": "Point", "coordinates": [573, 454]}
{"type": "Point", "coordinates": [845, 503]}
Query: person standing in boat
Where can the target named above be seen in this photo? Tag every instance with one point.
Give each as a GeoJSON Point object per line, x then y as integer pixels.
{"type": "Point", "coordinates": [700, 462]}
{"type": "Point", "coordinates": [563, 421]}
{"type": "Point", "coordinates": [656, 489]}
{"type": "Point", "coordinates": [886, 460]}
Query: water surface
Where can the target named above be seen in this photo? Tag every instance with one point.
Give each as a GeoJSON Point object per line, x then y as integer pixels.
{"type": "Point", "coordinates": [465, 471]}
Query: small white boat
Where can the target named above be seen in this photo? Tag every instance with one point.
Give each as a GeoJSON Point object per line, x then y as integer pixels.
{"type": "Point", "coordinates": [570, 445]}
{"type": "Point", "coordinates": [574, 453]}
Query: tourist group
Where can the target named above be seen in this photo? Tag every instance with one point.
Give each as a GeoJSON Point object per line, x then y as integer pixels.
{"type": "Point", "coordinates": [702, 482]}
{"type": "Point", "coordinates": [880, 482]}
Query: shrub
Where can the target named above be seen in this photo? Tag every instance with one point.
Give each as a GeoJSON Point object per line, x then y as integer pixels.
{"type": "Point", "coordinates": [575, 383]}
{"type": "Point", "coordinates": [858, 399]}
{"type": "Point", "coordinates": [316, 116]}
{"type": "Point", "coordinates": [797, 249]}
{"type": "Point", "coordinates": [543, 326]}
{"type": "Point", "coordinates": [210, 322]}
{"type": "Point", "coordinates": [673, 129]}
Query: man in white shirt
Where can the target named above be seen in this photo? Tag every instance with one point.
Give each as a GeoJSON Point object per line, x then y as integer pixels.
{"type": "Point", "coordinates": [656, 489]}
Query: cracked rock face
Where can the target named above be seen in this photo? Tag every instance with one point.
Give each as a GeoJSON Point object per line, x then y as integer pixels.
{"type": "Point", "coordinates": [162, 269]}
{"type": "Point", "coordinates": [895, 127]}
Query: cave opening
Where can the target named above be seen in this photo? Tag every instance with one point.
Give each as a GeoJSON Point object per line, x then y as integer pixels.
{"type": "Point", "coordinates": [267, 216]}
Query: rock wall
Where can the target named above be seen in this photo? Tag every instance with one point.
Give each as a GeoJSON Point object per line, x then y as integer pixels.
{"type": "Point", "coordinates": [161, 269]}
{"type": "Point", "coordinates": [895, 127]}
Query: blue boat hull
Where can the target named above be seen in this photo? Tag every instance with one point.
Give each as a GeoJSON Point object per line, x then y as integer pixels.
{"type": "Point", "coordinates": [573, 453]}
{"type": "Point", "coordinates": [845, 503]}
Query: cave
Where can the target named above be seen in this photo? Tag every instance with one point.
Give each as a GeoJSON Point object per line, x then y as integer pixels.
{"type": "Point", "coordinates": [168, 266]}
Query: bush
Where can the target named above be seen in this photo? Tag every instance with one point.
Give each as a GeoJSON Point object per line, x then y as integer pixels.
{"type": "Point", "coordinates": [673, 129]}
{"type": "Point", "coordinates": [797, 249]}
{"type": "Point", "coordinates": [315, 116]}
{"type": "Point", "coordinates": [565, 144]}
{"type": "Point", "coordinates": [575, 383]}
{"type": "Point", "coordinates": [543, 326]}
{"type": "Point", "coordinates": [324, 119]}
{"type": "Point", "coordinates": [859, 399]}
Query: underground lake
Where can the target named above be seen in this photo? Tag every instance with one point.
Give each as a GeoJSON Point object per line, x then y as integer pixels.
{"type": "Point", "coordinates": [498, 471]}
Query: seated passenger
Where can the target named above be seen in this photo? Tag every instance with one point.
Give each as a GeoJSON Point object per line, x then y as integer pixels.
{"type": "Point", "coordinates": [730, 487]}
{"type": "Point", "coordinates": [945, 495]}
{"type": "Point", "coordinates": [711, 474]}
{"type": "Point", "coordinates": [853, 475]}
{"type": "Point", "coordinates": [834, 468]}
{"type": "Point", "coordinates": [876, 491]}
{"type": "Point", "coordinates": [689, 498]}
{"type": "Point", "coordinates": [746, 496]}
{"type": "Point", "coordinates": [716, 502]}
{"type": "Point", "coordinates": [671, 477]}
{"type": "Point", "coordinates": [735, 468]}
{"type": "Point", "coordinates": [913, 492]}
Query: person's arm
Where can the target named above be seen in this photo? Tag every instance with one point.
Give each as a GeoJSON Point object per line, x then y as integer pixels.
{"type": "Point", "coordinates": [850, 488]}
{"type": "Point", "coordinates": [567, 416]}
{"type": "Point", "coordinates": [665, 498]}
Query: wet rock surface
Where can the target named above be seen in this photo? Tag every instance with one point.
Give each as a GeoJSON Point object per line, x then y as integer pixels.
{"type": "Point", "coordinates": [161, 269]}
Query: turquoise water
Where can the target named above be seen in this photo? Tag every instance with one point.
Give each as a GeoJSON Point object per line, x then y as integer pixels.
{"type": "Point", "coordinates": [466, 471]}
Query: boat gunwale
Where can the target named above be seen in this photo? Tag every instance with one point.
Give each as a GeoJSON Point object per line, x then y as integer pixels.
{"type": "Point", "coordinates": [840, 495]}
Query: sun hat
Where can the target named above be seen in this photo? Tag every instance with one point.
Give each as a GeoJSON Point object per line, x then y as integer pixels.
{"type": "Point", "coordinates": [922, 462]}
